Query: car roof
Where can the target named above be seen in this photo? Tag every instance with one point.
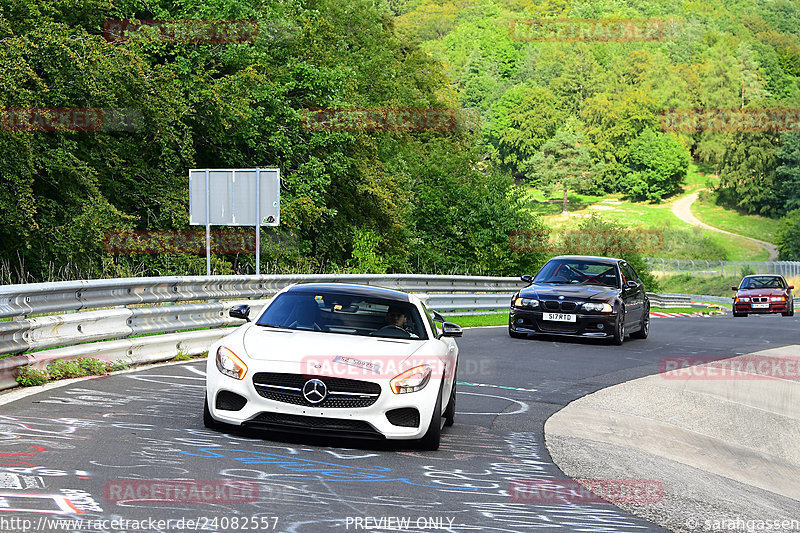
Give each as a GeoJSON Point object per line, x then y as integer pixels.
{"type": "Point", "coordinates": [599, 259]}
{"type": "Point", "coordinates": [763, 276]}
{"type": "Point", "coordinates": [364, 291]}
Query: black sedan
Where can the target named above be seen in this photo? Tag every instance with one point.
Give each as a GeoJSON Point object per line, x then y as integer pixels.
{"type": "Point", "coordinates": [582, 297]}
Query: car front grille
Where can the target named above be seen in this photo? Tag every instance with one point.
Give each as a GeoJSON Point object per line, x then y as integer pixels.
{"type": "Point", "coordinates": [314, 425]}
{"type": "Point", "coordinates": [760, 299]}
{"type": "Point", "coordinates": [342, 393]}
{"type": "Point", "coordinates": [555, 305]}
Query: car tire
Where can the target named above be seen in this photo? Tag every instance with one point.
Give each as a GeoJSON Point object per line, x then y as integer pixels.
{"type": "Point", "coordinates": [644, 328]}
{"type": "Point", "coordinates": [208, 420]}
{"type": "Point", "coordinates": [450, 411]}
{"type": "Point", "coordinates": [619, 330]}
{"type": "Point", "coordinates": [433, 436]}
{"type": "Point", "coordinates": [790, 312]}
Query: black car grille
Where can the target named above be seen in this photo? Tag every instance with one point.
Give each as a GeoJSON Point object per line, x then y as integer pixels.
{"type": "Point", "coordinates": [314, 425]}
{"type": "Point", "coordinates": [551, 327]}
{"type": "Point", "coordinates": [555, 305]}
{"type": "Point", "coordinates": [342, 393]}
{"type": "Point", "coordinates": [759, 299]}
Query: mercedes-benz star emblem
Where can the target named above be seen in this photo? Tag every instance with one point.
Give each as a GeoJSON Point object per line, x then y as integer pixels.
{"type": "Point", "coordinates": [314, 391]}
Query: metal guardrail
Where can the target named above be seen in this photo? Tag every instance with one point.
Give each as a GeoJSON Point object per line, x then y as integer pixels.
{"type": "Point", "coordinates": [117, 319]}
{"type": "Point", "coordinates": [114, 319]}
{"type": "Point", "coordinates": [701, 267]}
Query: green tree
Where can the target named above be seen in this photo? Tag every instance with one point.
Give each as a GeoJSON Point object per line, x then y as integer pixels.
{"type": "Point", "coordinates": [789, 237]}
{"type": "Point", "coordinates": [788, 171]}
{"type": "Point", "coordinates": [657, 166]}
{"type": "Point", "coordinates": [521, 122]}
{"type": "Point", "coordinates": [563, 161]}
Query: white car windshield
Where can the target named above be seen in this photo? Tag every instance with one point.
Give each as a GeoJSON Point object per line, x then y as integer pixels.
{"type": "Point", "coordinates": [336, 312]}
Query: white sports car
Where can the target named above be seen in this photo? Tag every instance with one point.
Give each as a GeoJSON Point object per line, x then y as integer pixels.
{"type": "Point", "coordinates": [337, 359]}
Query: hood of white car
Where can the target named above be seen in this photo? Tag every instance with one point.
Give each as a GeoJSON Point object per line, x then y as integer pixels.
{"type": "Point", "coordinates": [296, 346]}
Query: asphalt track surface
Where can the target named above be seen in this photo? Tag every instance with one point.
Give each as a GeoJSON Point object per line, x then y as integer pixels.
{"type": "Point", "coordinates": [94, 442]}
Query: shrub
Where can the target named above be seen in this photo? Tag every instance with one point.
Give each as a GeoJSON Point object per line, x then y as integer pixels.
{"type": "Point", "coordinates": [29, 377]}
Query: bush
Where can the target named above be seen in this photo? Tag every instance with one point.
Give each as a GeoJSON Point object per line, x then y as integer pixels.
{"type": "Point", "coordinates": [29, 377]}
{"type": "Point", "coordinates": [657, 166]}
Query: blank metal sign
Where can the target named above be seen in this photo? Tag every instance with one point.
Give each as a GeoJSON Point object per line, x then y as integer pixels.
{"type": "Point", "coordinates": [233, 197]}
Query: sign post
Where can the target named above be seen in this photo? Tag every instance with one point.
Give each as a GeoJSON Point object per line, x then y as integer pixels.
{"type": "Point", "coordinates": [234, 197]}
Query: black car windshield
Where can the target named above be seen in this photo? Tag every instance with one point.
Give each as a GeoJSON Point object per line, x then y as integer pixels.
{"type": "Point", "coordinates": [578, 271]}
{"type": "Point", "coordinates": [335, 312]}
{"type": "Point", "coordinates": [763, 282]}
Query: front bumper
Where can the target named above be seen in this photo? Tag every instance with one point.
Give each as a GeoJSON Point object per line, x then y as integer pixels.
{"type": "Point", "coordinates": [774, 307]}
{"type": "Point", "coordinates": [593, 325]}
{"type": "Point", "coordinates": [369, 422]}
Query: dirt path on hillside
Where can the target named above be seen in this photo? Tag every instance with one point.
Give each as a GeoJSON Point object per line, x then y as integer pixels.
{"type": "Point", "coordinates": [683, 210]}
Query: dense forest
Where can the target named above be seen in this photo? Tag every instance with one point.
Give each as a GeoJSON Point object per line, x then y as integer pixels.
{"type": "Point", "coordinates": [374, 201]}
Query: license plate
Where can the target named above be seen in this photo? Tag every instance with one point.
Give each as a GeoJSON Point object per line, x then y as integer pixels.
{"type": "Point", "coordinates": [559, 317]}
{"type": "Point", "coordinates": [759, 306]}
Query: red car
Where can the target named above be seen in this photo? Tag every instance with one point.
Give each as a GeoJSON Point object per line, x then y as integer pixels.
{"type": "Point", "coordinates": [763, 293]}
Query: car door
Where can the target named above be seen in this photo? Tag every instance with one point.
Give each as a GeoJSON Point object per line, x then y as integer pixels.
{"type": "Point", "coordinates": [633, 296]}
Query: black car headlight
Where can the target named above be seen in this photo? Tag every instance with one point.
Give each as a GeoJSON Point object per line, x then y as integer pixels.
{"type": "Point", "coordinates": [526, 302]}
{"type": "Point", "coordinates": [598, 307]}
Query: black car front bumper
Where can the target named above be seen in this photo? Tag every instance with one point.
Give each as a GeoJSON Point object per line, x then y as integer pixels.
{"type": "Point", "coordinates": [531, 321]}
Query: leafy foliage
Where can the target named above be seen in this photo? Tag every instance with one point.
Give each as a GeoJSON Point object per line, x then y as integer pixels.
{"type": "Point", "coordinates": [657, 164]}
{"type": "Point", "coordinates": [789, 237]}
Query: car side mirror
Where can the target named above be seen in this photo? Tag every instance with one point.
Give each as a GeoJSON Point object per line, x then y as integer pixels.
{"type": "Point", "coordinates": [437, 317]}
{"type": "Point", "coordinates": [451, 330]}
{"type": "Point", "coordinates": [791, 287]}
{"type": "Point", "coordinates": [527, 278]}
{"type": "Point", "coordinates": [240, 311]}
{"type": "Point", "coordinates": [632, 285]}
{"type": "Point", "coordinates": [734, 288]}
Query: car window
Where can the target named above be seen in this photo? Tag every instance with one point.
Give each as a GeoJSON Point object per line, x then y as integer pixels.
{"type": "Point", "coordinates": [334, 312]}
{"type": "Point", "coordinates": [578, 271]}
{"type": "Point", "coordinates": [431, 321]}
{"type": "Point", "coordinates": [628, 272]}
{"type": "Point", "coordinates": [763, 282]}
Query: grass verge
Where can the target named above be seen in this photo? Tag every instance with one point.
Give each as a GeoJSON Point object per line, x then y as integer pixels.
{"type": "Point", "coordinates": [756, 227]}
{"type": "Point", "coordinates": [66, 369]}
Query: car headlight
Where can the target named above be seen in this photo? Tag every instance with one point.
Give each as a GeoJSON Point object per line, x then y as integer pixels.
{"type": "Point", "coordinates": [742, 299]}
{"type": "Point", "coordinates": [598, 307]}
{"type": "Point", "coordinates": [777, 299]}
{"type": "Point", "coordinates": [411, 380]}
{"type": "Point", "coordinates": [229, 364]}
{"type": "Point", "coordinates": [526, 302]}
